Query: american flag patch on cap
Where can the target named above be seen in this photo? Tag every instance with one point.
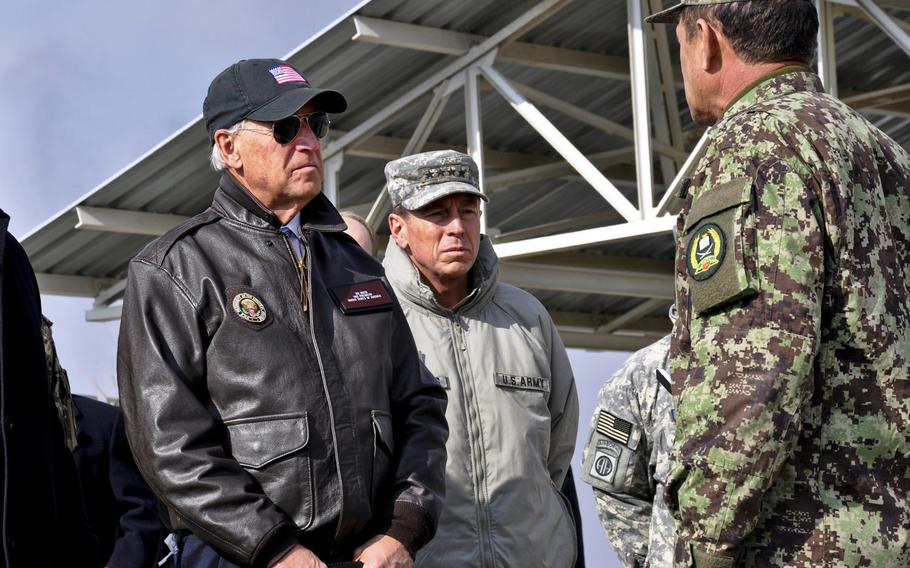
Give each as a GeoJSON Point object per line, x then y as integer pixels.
{"type": "Point", "coordinates": [287, 74]}
{"type": "Point", "coordinates": [614, 427]}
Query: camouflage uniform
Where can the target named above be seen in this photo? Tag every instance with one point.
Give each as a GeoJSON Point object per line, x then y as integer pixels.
{"type": "Point", "coordinates": [418, 180]}
{"type": "Point", "coordinates": [627, 459]}
{"type": "Point", "coordinates": [791, 355]}
{"type": "Point", "coordinates": [60, 386]}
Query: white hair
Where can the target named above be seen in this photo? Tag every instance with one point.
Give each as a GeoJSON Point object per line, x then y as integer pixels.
{"type": "Point", "coordinates": [216, 158]}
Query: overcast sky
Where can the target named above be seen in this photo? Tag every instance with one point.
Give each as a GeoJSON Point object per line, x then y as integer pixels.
{"type": "Point", "coordinates": [88, 86]}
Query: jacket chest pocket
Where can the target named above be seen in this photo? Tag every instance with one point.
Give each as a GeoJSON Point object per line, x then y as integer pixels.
{"type": "Point", "coordinates": [383, 454]}
{"type": "Point", "coordinates": [717, 246]}
{"type": "Point", "coordinates": [522, 402]}
{"type": "Point", "coordinates": [275, 451]}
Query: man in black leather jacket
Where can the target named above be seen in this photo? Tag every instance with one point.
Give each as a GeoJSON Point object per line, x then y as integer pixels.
{"type": "Point", "coordinates": [271, 390]}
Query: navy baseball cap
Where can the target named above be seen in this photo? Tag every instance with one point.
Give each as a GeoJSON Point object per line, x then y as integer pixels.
{"type": "Point", "coordinates": [262, 89]}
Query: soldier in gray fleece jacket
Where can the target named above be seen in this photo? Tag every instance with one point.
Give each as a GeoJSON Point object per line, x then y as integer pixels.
{"type": "Point", "coordinates": [513, 408]}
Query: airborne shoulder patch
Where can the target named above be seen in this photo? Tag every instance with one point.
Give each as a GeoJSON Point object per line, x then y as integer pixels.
{"type": "Point", "coordinates": [613, 427]}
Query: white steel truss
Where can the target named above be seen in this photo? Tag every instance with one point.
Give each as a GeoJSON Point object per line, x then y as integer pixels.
{"type": "Point", "coordinates": [655, 144]}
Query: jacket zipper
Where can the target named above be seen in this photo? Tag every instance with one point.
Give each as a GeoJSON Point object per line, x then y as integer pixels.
{"type": "Point", "coordinates": [325, 386]}
{"type": "Point", "coordinates": [477, 457]}
{"type": "Point", "coordinates": [300, 263]}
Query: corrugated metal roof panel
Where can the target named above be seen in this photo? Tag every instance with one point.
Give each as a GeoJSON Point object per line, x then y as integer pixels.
{"type": "Point", "coordinates": [174, 178]}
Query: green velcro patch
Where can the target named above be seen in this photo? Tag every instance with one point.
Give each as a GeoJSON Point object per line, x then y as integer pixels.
{"type": "Point", "coordinates": [613, 427]}
{"type": "Point", "coordinates": [715, 250]}
{"type": "Point", "coordinates": [704, 560]}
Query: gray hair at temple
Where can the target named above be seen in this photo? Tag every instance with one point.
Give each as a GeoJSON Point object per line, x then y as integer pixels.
{"type": "Point", "coordinates": [215, 158]}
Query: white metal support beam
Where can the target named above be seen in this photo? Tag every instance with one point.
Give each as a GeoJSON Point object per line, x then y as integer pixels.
{"type": "Point", "coordinates": [420, 136]}
{"type": "Point", "coordinates": [332, 172]}
{"type": "Point", "coordinates": [603, 341]}
{"type": "Point", "coordinates": [474, 130]}
{"type": "Point", "coordinates": [886, 23]}
{"type": "Point", "coordinates": [669, 203]}
{"type": "Point", "coordinates": [532, 202]}
{"type": "Point", "coordinates": [449, 42]}
{"type": "Point", "coordinates": [128, 222]}
{"type": "Point", "coordinates": [500, 182]}
{"type": "Point", "coordinates": [899, 94]}
{"type": "Point", "coordinates": [599, 218]}
{"type": "Point", "coordinates": [592, 119]}
{"type": "Point", "coordinates": [561, 144]}
{"type": "Point", "coordinates": [589, 322]}
{"type": "Point", "coordinates": [110, 294]}
{"type": "Point", "coordinates": [827, 63]}
{"type": "Point", "coordinates": [67, 285]}
{"type": "Point", "coordinates": [663, 103]}
{"type": "Point", "coordinates": [583, 280]}
{"type": "Point", "coordinates": [102, 314]}
{"type": "Point", "coordinates": [669, 81]}
{"type": "Point", "coordinates": [632, 315]}
{"type": "Point", "coordinates": [518, 26]}
{"type": "Point", "coordinates": [849, 8]}
{"type": "Point", "coordinates": [641, 121]}
{"type": "Point", "coordinates": [585, 238]}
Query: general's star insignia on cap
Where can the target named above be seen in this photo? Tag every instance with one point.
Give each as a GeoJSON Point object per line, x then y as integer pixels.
{"type": "Point", "coordinates": [249, 308]}
{"type": "Point", "coordinates": [706, 251]}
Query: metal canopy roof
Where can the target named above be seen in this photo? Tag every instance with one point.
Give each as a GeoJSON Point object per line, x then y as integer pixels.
{"type": "Point", "coordinates": [549, 96]}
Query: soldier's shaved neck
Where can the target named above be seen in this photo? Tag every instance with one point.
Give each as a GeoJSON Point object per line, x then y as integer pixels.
{"type": "Point", "coordinates": [713, 72]}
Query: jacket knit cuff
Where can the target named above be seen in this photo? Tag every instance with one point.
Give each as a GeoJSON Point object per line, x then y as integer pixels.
{"type": "Point", "coordinates": [274, 547]}
{"type": "Point", "coordinates": [411, 525]}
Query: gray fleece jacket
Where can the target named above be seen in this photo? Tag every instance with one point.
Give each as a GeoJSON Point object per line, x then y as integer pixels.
{"type": "Point", "coordinates": [512, 414]}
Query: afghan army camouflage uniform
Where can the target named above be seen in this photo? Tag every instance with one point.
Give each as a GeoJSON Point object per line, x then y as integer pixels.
{"type": "Point", "coordinates": [791, 355]}
{"type": "Point", "coordinates": [60, 386]}
{"type": "Point", "coordinates": [627, 459]}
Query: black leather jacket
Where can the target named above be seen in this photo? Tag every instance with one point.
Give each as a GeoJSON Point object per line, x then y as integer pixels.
{"type": "Point", "coordinates": [310, 423]}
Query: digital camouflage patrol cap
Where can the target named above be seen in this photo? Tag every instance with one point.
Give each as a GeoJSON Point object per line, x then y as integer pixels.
{"type": "Point", "coordinates": [671, 15]}
{"type": "Point", "coordinates": [415, 181]}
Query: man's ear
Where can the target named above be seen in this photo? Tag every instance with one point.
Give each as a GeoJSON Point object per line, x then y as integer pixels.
{"type": "Point", "coordinates": [230, 152]}
{"type": "Point", "coordinates": [709, 48]}
{"type": "Point", "coordinates": [399, 230]}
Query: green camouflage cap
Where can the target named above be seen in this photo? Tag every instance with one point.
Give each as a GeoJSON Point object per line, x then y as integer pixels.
{"type": "Point", "coordinates": [415, 181]}
{"type": "Point", "coordinates": [671, 15]}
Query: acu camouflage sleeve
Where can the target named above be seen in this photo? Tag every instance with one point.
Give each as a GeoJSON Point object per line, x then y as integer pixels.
{"type": "Point", "coordinates": [744, 344]}
{"type": "Point", "coordinates": [625, 505]}
{"type": "Point", "coordinates": [60, 385]}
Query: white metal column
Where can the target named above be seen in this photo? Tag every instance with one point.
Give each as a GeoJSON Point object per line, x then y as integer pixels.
{"type": "Point", "coordinates": [886, 23]}
{"type": "Point", "coordinates": [641, 120]}
{"type": "Point", "coordinates": [827, 63]}
{"type": "Point", "coordinates": [331, 182]}
{"type": "Point", "coordinates": [378, 211]}
{"type": "Point", "coordinates": [664, 106]}
{"type": "Point", "coordinates": [474, 130]}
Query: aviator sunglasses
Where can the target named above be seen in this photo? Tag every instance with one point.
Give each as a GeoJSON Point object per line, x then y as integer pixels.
{"type": "Point", "coordinates": [286, 129]}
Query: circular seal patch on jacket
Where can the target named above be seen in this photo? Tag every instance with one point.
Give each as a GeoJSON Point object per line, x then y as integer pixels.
{"type": "Point", "coordinates": [705, 252]}
{"type": "Point", "coordinates": [249, 308]}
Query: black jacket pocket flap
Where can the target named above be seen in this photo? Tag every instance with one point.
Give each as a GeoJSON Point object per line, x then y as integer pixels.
{"type": "Point", "coordinates": [382, 424]}
{"type": "Point", "coordinates": [255, 443]}
{"type": "Point", "coordinates": [735, 192]}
